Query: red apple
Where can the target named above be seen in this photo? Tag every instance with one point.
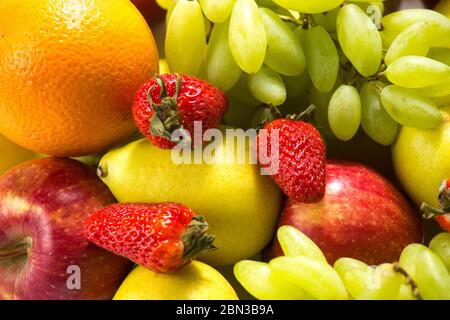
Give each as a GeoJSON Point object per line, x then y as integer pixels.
{"type": "Point", "coordinates": [43, 252]}
{"type": "Point", "coordinates": [361, 216]}
{"type": "Point", "coordinates": [150, 10]}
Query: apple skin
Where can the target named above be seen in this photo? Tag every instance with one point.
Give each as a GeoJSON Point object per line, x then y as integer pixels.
{"type": "Point", "coordinates": [45, 201]}
{"type": "Point", "coordinates": [361, 216]}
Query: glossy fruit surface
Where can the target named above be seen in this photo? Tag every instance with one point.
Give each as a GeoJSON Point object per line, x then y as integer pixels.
{"type": "Point", "coordinates": [162, 237]}
{"type": "Point", "coordinates": [240, 205]}
{"type": "Point", "coordinates": [169, 102]}
{"type": "Point", "coordinates": [197, 281]}
{"type": "Point", "coordinates": [361, 216]}
{"type": "Point", "coordinates": [43, 252]}
{"type": "Point", "coordinates": [299, 167]}
{"type": "Point", "coordinates": [420, 160]}
{"type": "Point", "coordinates": [78, 64]}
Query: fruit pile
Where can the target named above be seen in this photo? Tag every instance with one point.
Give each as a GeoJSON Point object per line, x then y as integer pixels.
{"type": "Point", "coordinates": [362, 69]}
{"type": "Point", "coordinates": [421, 273]}
{"type": "Point", "coordinates": [226, 169]}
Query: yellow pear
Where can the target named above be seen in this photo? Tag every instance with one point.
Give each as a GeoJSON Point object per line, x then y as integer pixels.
{"type": "Point", "coordinates": [197, 281]}
{"type": "Point", "coordinates": [241, 205]}
{"type": "Point", "coordinates": [421, 160]}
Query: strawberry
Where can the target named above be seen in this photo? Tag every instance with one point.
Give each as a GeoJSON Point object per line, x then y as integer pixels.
{"type": "Point", "coordinates": [300, 161]}
{"type": "Point", "coordinates": [169, 102]}
{"type": "Point", "coordinates": [442, 214]}
{"type": "Point", "coordinates": [162, 237]}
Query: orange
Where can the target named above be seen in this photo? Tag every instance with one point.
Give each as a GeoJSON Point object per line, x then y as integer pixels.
{"type": "Point", "coordinates": [69, 70]}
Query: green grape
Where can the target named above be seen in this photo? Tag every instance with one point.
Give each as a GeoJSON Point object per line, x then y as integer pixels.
{"type": "Point", "coordinates": [263, 114]}
{"type": "Point", "coordinates": [344, 112]}
{"type": "Point", "coordinates": [300, 33]}
{"type": "Point", "coordinates": [354, 274]}
{"type": "Point", "coordinates": [267, 4]}
{"type": "Point", "coordinates": [411, 41]}
{"type": "Point", "coordinates": [267, 86]}
{"type": "Point", "coordinates": [315, 277]}
{"type": "Point", "coordinates": [217, 11]}
{"type": "Point", "coordinates": [417, 72]}
{"type": "Point", "coordinates": [241, 92]}
{"type": "Point", "coordinates": [309, 6]}
{"type": "Point", "coordinates": [395, 23]}
{"type": "Point", "coordinates": [370, 5]}
{"type": "Point", "coordinates": [247, 36]}
{"type": "Point", "coordinates": [297, 86]}
{"type": "Point", "coordinates": [264, 284]}
{"type": "Point", "coordinates": [441, 101]}
{"type": "Point", "coordinates": [169, 11]}
{"type": "Point", "coordinates": [343, 265]}
{"type": "Point", "coordinates": [440, 245]}
{"type": "Point", "coordinates": [384, 284]}
{"type": "Point", "coordinates": [440, 54]}
{"type": "Point", "coordinates": [375, 121]}
{"type": "Point", "coordinates": [359, 39]}
{"type": "Point", "coordinates": [438, 90]}
{"type": "Point", "coordinates": [374, 10]}
{"type": "Point", "coordinates": [284, 52]}
{"type": "Point", "coordinates": [410, 108]}
{"type": "Point", "coordinates": [185, 38]}
{"type": "Point", "coordinates": [201, 74]}
{"type": "Point", "coordinates": [221, 68]}
{"type": "Point", "coordinates": [409, 256]}
{"type": "Point", "coordinates": [239, 115]}
{"type": "Point", "coordinates": [322, 58]}
{"type": "Point", "coordinates": [296, 243]}
{"type": "Point", "coordinates": [165, 4]}
{"type": "Point", "coordinates": [432, 277]}
{"type": "Point", "coordinates": [284, 12]}
{"type": "Point", "coordinates": [406, 292]}
{"type": "Point", "coordinates": [327, 19]}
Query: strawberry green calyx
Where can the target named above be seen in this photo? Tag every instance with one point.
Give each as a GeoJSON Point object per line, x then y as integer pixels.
{"type": "Point", "coordinates": [195, 240]}
{"type": "Point", "coordinates": [444, 202]}
{"type": "Point", "coordinates": [165, 119]}
{"type": "Point", "coordinates": [307, 115]}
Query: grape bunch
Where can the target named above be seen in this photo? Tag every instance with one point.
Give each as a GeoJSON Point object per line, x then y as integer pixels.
{"type": "Point", "coordinates": [359, 68]}
{"type": "Point", "coordinates": [304, 274]}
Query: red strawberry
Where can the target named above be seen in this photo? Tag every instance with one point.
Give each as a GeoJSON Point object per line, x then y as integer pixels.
{"type": "Point", "coordinates": [442, 214]}
{"type": "Point", "coordinates": [300, 161]}
{"type": "Point", "coordinates": [162, 237]}
{"type": "Point", "coordinates": [171, 101]}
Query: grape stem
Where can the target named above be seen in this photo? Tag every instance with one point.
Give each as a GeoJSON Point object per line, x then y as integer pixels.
{"type": "Point", "coordinates": [305, 115]}
{"type": "Point", "coordinates": [380, 73]}
{"type": "Point", "coordinates": [306, 20]}
{"type": "Point", "coordinates": [409, 281]}
{"type": "Point", "coordinates": [291, 19]}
